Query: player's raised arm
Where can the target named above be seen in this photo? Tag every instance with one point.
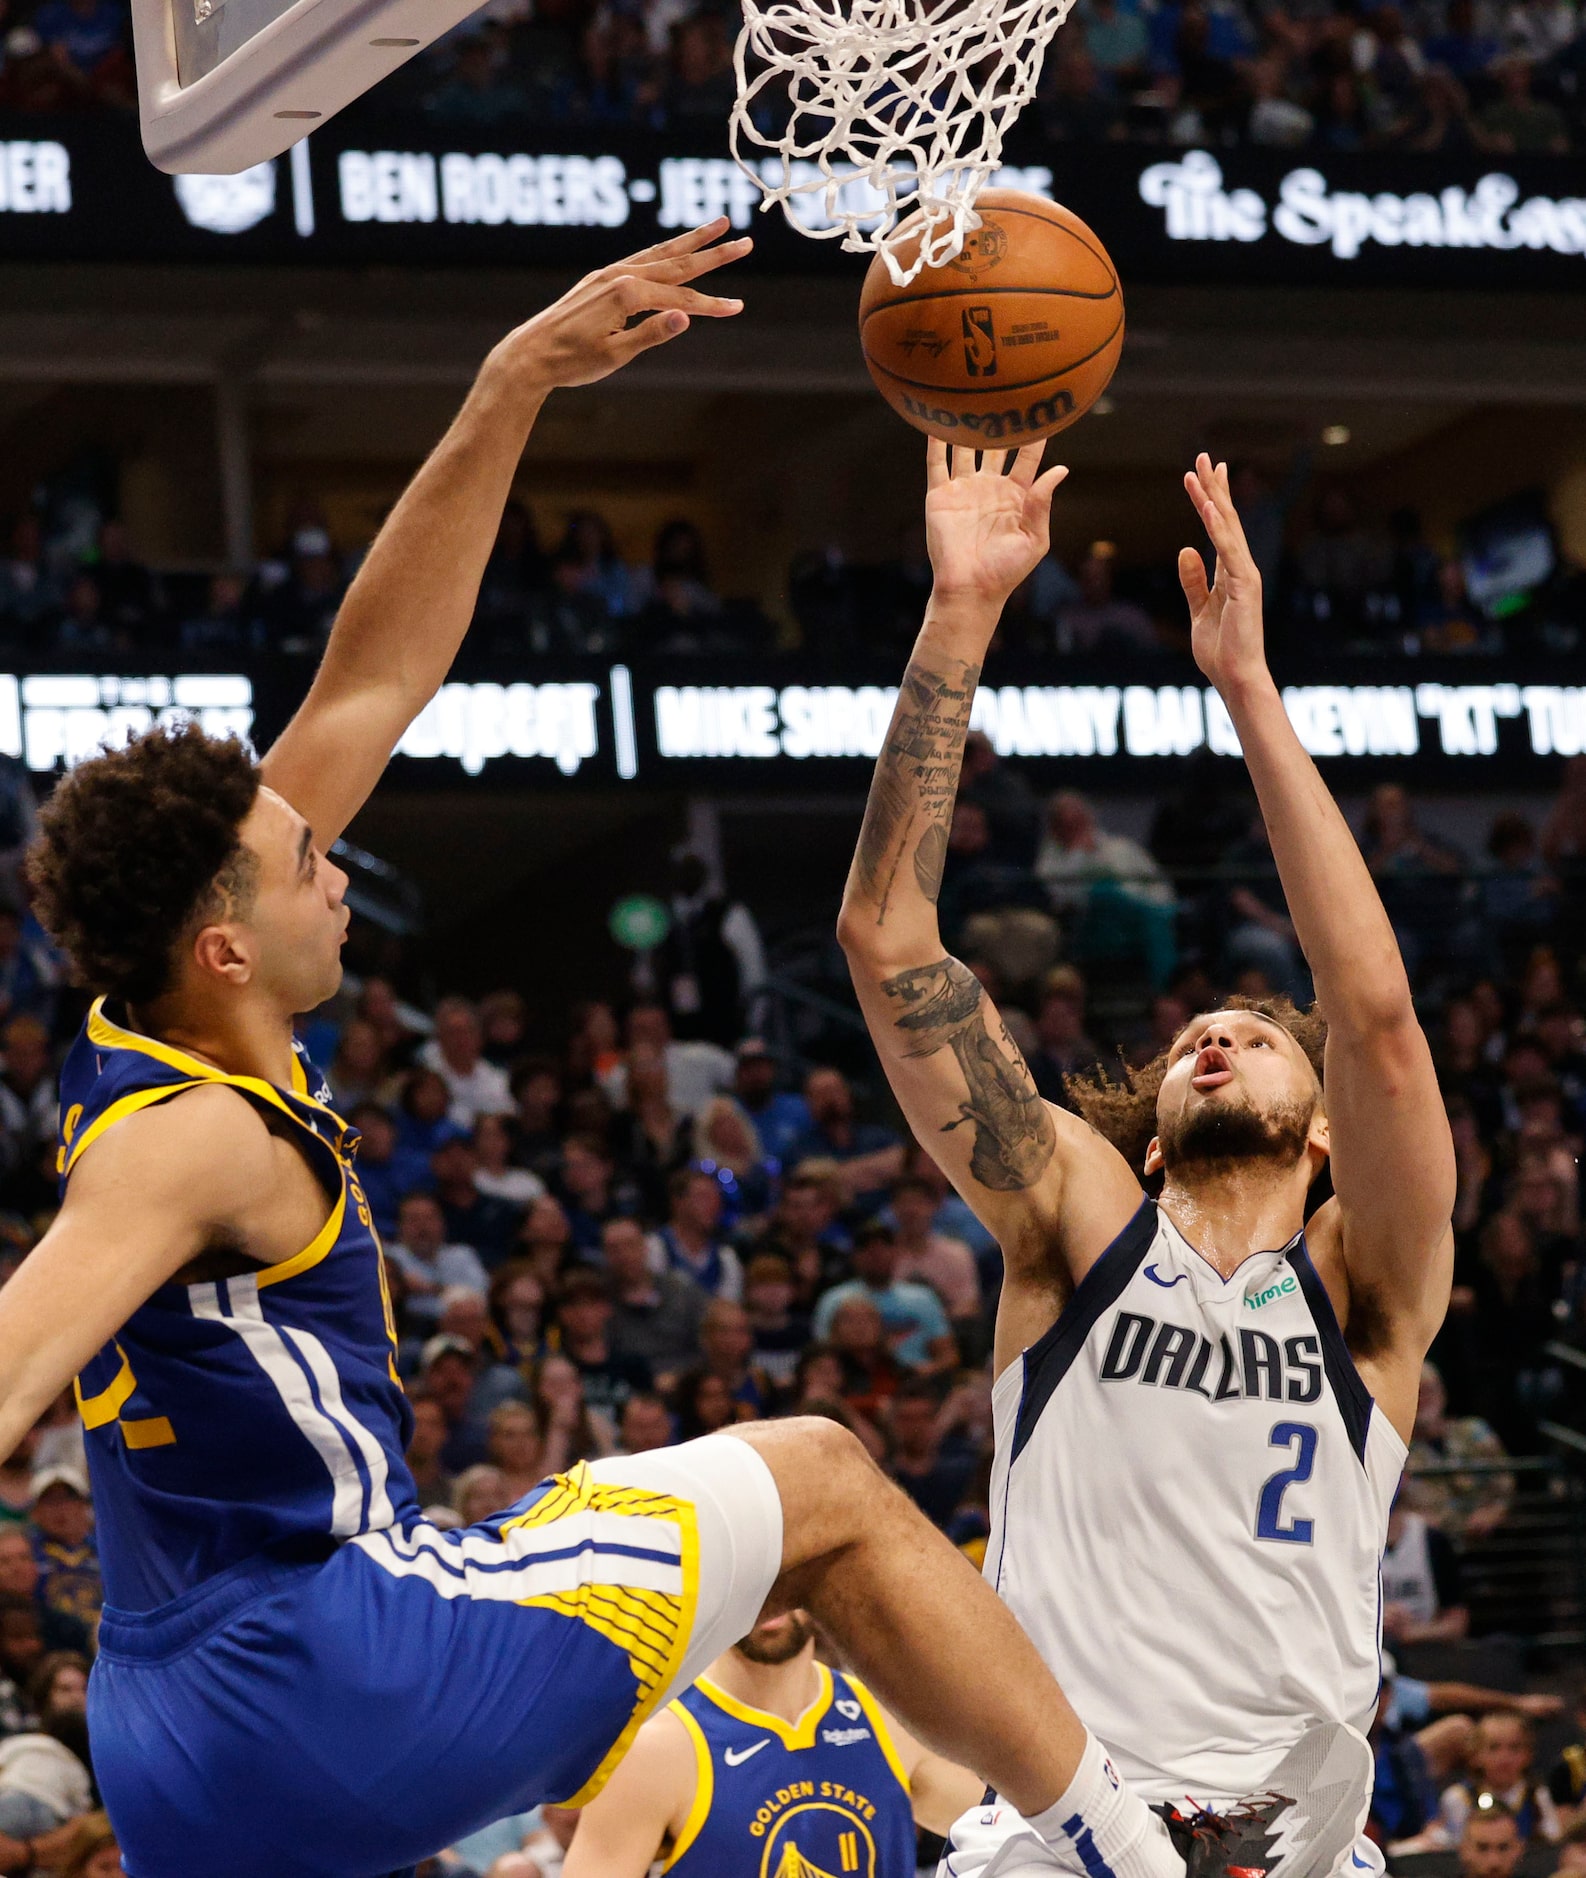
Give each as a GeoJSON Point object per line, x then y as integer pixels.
{"type": "Point", "coordinates": [1392, 1154]}
{"type": "Point", "coordinates": [407, 611]}
{"type": "Point", "coordinates": [959, 1076]}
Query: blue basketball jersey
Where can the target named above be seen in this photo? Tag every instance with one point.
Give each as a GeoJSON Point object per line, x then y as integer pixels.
{"type": "Point", "coordinates": [822, 1797]}
{"type": "Point", "coordinates": [253, 1415]}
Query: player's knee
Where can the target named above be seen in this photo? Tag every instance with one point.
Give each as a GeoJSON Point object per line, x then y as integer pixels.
{"type": "Point", "coordinates": [820, 1468]}
{"type": "Point", "coordinates": [817, 1441]}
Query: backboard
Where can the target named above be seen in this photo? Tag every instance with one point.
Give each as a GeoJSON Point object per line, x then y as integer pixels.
{"type": "Point", "coordinates": [225, 84]}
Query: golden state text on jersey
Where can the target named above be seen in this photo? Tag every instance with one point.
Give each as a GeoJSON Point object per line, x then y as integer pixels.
{"type": "Point", "coordinates": [822, 1797]}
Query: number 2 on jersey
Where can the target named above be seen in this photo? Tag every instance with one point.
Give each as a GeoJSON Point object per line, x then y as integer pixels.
{"type": "Point", "coordinates": [1269, 1523]}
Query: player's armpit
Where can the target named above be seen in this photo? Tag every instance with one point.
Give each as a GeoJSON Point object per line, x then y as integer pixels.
{"type": "Point", "coordinates": [148, 1197]}
{"type": "Point", "coordinates": [644, 1806]}
{"type": "Point", "coordinates": [940, 1791]}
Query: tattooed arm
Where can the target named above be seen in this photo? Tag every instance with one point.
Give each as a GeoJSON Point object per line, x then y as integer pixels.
{"type": "Point", "coordinates": [956, 1071]}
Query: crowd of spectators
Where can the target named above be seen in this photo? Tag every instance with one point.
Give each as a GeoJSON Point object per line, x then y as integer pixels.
{"type": "Point", "coordinates": [1460, 76]}
{"type": "Point", "coordinates": [1338, 578]}
{"type": "Point", "coordinates": [1468, 76]}
{"type": "Point", "coordinates": [71, 585]}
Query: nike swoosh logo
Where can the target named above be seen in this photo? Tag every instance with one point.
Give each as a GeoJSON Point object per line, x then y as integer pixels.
{"type": "Point", "coordinates": [1167, 1284]}
{"type": "Point", "coordinates": [735, 1757]}
{"type": "Point", "coordinates": [1365, 1864]}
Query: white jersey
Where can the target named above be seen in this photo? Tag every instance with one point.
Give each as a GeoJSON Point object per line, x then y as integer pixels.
{"type": "Point", "coordinates": [1189, 1505]}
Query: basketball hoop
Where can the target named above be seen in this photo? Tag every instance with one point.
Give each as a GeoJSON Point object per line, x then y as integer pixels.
{"type": "Point", "coordinates": [891, 106]}
{"type": "Point", "coordinates": [226, 84]}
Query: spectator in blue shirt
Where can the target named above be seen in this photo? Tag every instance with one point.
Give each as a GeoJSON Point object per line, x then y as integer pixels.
{"type": "Point", "coordinates": [586, 1187]}
{"type": "Point", "coordinates": [427, 1262]}
{"type": "Point", "coordinates": [472, 1218]}
{"type": "Point", "coordinates": [917, 1328]}
{"type": "Point", "coordinates": [691, 1242]}
{"type": "Point", "coordinates": [63, 1543]}
{"type": "Point", "coordinates": [869, 1156]}
{"type": "Point", "coordinates": [386, 1170]}
{"type": "Point", "coordinates": [781, 1118]}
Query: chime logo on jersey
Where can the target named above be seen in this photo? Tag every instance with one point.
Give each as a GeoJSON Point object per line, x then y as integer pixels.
{"type": "Point", "coordinates": [1162, 1354]}
{"type": "Point", "coordinates": [1254, 1300]}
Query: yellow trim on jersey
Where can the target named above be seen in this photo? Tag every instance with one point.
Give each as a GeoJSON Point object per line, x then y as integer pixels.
{"type": "Point", "coordinates": [112, 1036]}
{"type": "Point", "coordinates": [704, 1785]}
{"type": "Point", "coordinates": [878, 1722]}
{"type": "Point", "coordinates": [119, 1111]}
{"type": "Point", "coordinates": [654, 1627]}
{"type": "Point", "coordinates": [314, 1251]}
{"type": "Point", "coordinates": [102, 1030]}
{"type": "Point", "coordinates": [792, 1735]}
{"type": "Point", "coordinates": [153, 1431]}
{"type": "Point", "coordinates": [99, 1410]}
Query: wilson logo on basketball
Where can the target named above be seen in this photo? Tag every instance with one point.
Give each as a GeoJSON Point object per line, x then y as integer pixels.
{"type": "Point", "coordinates": [980, 342]}
{"type": "Point", "coordinates": [1034, 420]}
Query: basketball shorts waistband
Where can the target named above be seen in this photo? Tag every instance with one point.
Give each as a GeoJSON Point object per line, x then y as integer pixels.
{"type": "Point", "coordinates": [170, 1629]}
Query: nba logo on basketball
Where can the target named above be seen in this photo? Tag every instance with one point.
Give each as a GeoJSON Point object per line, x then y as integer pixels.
{"type": "Point", "coordinates": [980, 343]}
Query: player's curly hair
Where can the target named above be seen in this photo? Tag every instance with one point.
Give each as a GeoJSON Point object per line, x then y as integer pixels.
{"type": "Point", "coordinates": [138, 846]}
{"type": "Point", "coordinates": [1123, 1108]}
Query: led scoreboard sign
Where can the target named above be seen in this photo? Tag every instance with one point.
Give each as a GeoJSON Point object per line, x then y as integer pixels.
{"type": "Point", "coordinates": [395, 189]}
{"type": "Point", "coordinates": [617, 725]}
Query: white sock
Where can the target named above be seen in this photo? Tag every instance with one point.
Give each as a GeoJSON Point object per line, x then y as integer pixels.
{"type": "Point", "coordinates": [1103, 1829]}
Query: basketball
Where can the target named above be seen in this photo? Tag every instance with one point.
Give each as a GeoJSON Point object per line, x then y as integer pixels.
{"type": "Point", "coordinates": [1013, 339]}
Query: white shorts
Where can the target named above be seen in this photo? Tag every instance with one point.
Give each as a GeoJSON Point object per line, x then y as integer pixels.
{"type": "Point", "coordinates": [739, 1515]}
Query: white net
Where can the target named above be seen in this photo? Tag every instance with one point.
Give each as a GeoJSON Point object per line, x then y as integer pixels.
{"type": "Point", "coordinates": [880, 106]}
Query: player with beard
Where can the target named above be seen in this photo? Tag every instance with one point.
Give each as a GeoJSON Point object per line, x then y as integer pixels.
{"type": "Point", "coordinates": [771, 1763]}
{"type": "Point", "coordinates": [1202, 1400]}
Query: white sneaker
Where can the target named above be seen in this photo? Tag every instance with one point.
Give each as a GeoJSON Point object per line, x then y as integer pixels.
{"type": "Point", "coordinates": [1301, 1826]}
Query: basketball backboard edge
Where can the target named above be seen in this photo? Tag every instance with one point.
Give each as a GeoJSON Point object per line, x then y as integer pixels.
{"type": "Point", "coordinates": [298, 70]}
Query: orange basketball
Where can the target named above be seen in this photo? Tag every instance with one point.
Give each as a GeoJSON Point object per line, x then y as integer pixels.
{"type": "Point", "coordinates": [1013, 339]}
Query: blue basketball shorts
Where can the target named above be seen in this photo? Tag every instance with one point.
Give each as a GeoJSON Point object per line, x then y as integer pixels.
{"type": "Point", "coordinates": [350, 1718]}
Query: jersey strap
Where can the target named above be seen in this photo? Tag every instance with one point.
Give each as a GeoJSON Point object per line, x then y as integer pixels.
{"type": "Point", "coordinates": [704, 1785]}
{"type": "Point", "coordinates": [1350, 1393]}
{"type": "Point", "coordinates": [883, 1733]}
{"type": "Point", "coordinates": [103, 1032]}
{"type": "Point", "coordinates": [1049, 1360]}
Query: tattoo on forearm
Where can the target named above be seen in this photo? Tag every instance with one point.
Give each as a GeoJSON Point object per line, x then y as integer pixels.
{"type": "Point", "coordinates": [930, 857]}
{"type": "Point", "coordinates": [915, 782]}
{"type": "Point", "coordinates": [945, 1006]}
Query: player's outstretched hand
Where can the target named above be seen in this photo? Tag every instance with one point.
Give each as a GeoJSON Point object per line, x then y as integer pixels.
{"type": "Point", "coordinates": [986, 528]}
{"type": "Point", "coordinates": [1226, 634]}
{"type": "Point", "coordinates": [619, 311]}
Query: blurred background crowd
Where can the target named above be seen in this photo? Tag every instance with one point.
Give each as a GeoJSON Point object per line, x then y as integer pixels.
{"type": "Point", "coordinates": [1499, 76]}
{"type": "Point", "coordinates": [1342, 576]}
{"type": "Point", "coordinates": [617, 1226]}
